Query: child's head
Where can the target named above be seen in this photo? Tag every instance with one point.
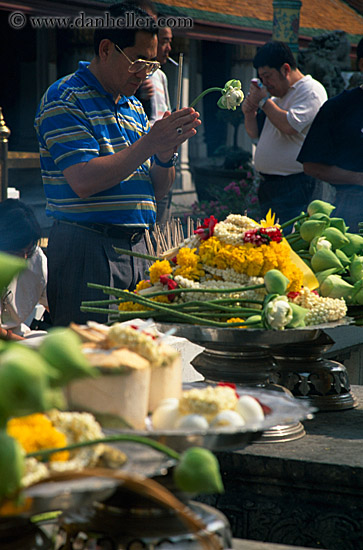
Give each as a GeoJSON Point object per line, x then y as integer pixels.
{"type": "Point", "coordinates": [19, 228]}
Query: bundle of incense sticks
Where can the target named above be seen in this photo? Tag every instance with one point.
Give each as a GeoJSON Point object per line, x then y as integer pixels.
{"type": "Point", "coordinates": [171, 234]}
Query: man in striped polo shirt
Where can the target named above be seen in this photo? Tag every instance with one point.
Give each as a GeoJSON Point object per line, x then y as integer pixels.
{"type": "Point", "coordinates": [103, 167]}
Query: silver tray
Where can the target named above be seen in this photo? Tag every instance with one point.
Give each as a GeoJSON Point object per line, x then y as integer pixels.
{"type": "Point", "coordinates": [236, 337]}
{"type": "Point", "coordinates": [286, 410]}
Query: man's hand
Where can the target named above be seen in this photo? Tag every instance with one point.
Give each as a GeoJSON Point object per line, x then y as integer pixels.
{"type": "Point", "coordinates": [146, 90]}
{"type": "Point", "coordinates": [168, 133]}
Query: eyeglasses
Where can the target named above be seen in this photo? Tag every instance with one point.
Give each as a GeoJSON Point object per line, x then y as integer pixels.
{"type": "Point", "coordinates": [140, 64]}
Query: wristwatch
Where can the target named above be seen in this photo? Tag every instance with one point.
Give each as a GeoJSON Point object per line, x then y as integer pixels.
{"type": "Point", "coordinates": [262, 102]}
{"type": "Point", "coordinates": [171, 162]}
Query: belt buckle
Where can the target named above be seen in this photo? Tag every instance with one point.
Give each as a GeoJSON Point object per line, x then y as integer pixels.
{"type": "Point", "coordinates": [135, 237]}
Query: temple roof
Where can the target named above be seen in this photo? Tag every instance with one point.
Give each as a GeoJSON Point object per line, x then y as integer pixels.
{"type": "Point", "coordinates": [316, 16]}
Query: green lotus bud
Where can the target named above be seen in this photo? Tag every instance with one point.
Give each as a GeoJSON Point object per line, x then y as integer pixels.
{"type": "Point", "coordinates": [343, 258]}
{"type": "Point", "coordinates": [198, 472]}
{"type": "Point", "coordinates": [324, 259]}
{"type": "Point", "coordinates": [298, 316]}
{"type": "Point", "coordinates": [355, 245]}
{"type": "Point", "coordinates": [339, 223]}
{"type": "Point", "coordinates": [357, 296]}
{"type": "Point", "coordinates": [320, 217]}
{"type": "Point", "coordinates": [336, 237]}
{"type": "Point", "coordinates": [318, 206]}
{"type": "Point", "coordinates": [10, 266]}
{"type": "Point", "coordinates": [255, 320]}
{"type": "Point", "coordinates": [276, 282]}
{"type": "Point", "coordinates": [23, 382]}
{"type": "Point", "coordinates": [12, 465]}
{"type": "Point", "coordinates": [356, 268]}
{"type": "Point", "coordinates": [319, 243]}
{"type": "Point", "coordinates": [299, 244]}
{"type": "Point", "coordinates": [324, 274]}
{"type": "Point", "coordinates": [311, 229]}
{"type": "Point", "coordinates": [61, 349]}
{"type": "Point", "coordinates": [334, 286]}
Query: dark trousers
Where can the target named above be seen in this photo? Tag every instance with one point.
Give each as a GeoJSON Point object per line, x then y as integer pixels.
{"type": "Point", "coordinates": [77, 256]}
{"type": "Point", "coordinates": [287, 196]}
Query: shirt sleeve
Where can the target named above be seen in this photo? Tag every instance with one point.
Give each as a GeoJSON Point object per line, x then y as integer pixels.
{"type": "Point", "coordinates": [66, 134]}
{"type": "Point", "coordinates": [318, 145]}
{"type": "Point", "coordinates": [304, 108]}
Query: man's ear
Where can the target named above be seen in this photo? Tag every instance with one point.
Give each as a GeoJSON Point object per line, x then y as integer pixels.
{"type": "Point", "coordinates": [285, 70]}
{"type": "Point", "coordinates": [360, 65]}
{"type": "Point", "coordinates": [105, 48]}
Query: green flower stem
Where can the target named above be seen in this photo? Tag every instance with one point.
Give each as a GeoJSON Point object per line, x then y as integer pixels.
{"type": "Point", "coordinates": [45, 453]}
{"type": "Point", "coordinates": [136, 254]}
{"type": "Point", "coordinates": [200, 96]}
{"type": "Point", "coordinates": [203, 290]}
{"type": "Point", "coordinates": [100, 302]}
{"type": "Point", "coordinates": [193, 319]}
{"type": "Point", "coordinates": [286, 224]}
{"type": "Point", "coordinates": [89, 309]}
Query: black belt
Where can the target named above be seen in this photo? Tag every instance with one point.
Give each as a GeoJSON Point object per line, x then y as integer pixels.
{"type": "Point", "coordinates": [271, 177]}
{"type": "Point", "coordinates": [115, 231]}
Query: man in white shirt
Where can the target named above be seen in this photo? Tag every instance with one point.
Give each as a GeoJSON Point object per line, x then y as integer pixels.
{"type": "Point", "coordinates": [289, 101]}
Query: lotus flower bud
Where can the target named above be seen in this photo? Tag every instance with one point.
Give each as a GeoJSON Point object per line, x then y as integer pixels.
{"type": "Point", "coordinates": [61, 349]}
{"type": "Point", "coordinates": [321, 217]}
{"type": "Point", "coordinates": [343, 258]}
{"type": "Point", "coordinates": [324, 259]}
{"type": "Point", "coordinates": [312, 228]}
{"type": "Point", "coordinates": [355, 245]}
{"type": "Point", "coordinates": [320, 206]}
{"type": "Point", "coordinates": [298, 316]}
{"type": "Point", "coordinates": [319, 243]}
{"type": "Point", "coordinates": [339, 223]}
{"type": "Point", "coordinates": [357, 297]}
{"type": "Point", "coordinates": [299, 244]}
{"type": "Point", "coordinates": [23, 382]}
{"type": "Point", "coordinates": [336, 237]}
{"type": "Point", "coordinates": [12, 465]}
{"type": "Point", "coordinates": [278, 313]}
{"type": "Point", "coordinates": [198, 472]}
{"type": "Point", "coordinates": [255, 320]}
{"type": "Point", "coordinates": [10, 266]}
{"type": "Point", "coordinates": [276, 282]}
{"type": "Point", "coordinates": [324, 274]}
{"type": "Point", "coordinates": [356, 268]}
{"type": "Point", "coordinates": [334, 286]}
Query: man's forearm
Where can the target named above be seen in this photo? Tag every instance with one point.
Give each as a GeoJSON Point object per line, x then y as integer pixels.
{"type": "Point", "coordinates": [250, 123]}
{"type": "Point", "coordinates": [278, 117]}
{"type": "Point", "coordinates": [163, 179]}
{"type": "Point", "coordinates": [102, 173]}
{"type": "Point", "coordinates": [333, 174]}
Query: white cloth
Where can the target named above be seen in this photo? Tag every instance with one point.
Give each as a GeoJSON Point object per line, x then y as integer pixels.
{"type": "Point", "coordinates": [23, 294]}
{"type": "Point", "coordinates": [276, 152]}
{"type": "Point", "coordinates": [160, 101]}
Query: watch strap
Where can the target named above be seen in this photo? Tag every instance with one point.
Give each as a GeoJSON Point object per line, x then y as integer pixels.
{"type": "Point", "coordinates": [171, 162]}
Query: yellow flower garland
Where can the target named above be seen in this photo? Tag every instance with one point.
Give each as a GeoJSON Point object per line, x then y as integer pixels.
{"type": "Point", "coordinates": [253, 260]}
{"type": "Point", "coordinates": [189, 265]}
{"type": "Point", "coordinates": [159, 268]}
{"type": "Point", "coordinates": [36, 432]}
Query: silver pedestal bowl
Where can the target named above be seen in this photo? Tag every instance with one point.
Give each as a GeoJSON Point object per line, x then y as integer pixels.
{"type": "Point", "coordinates": [266, 358]}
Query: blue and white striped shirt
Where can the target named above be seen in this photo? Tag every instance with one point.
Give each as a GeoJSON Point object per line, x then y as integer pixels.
{"type": "Point", "coordinates": [77, 120]}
